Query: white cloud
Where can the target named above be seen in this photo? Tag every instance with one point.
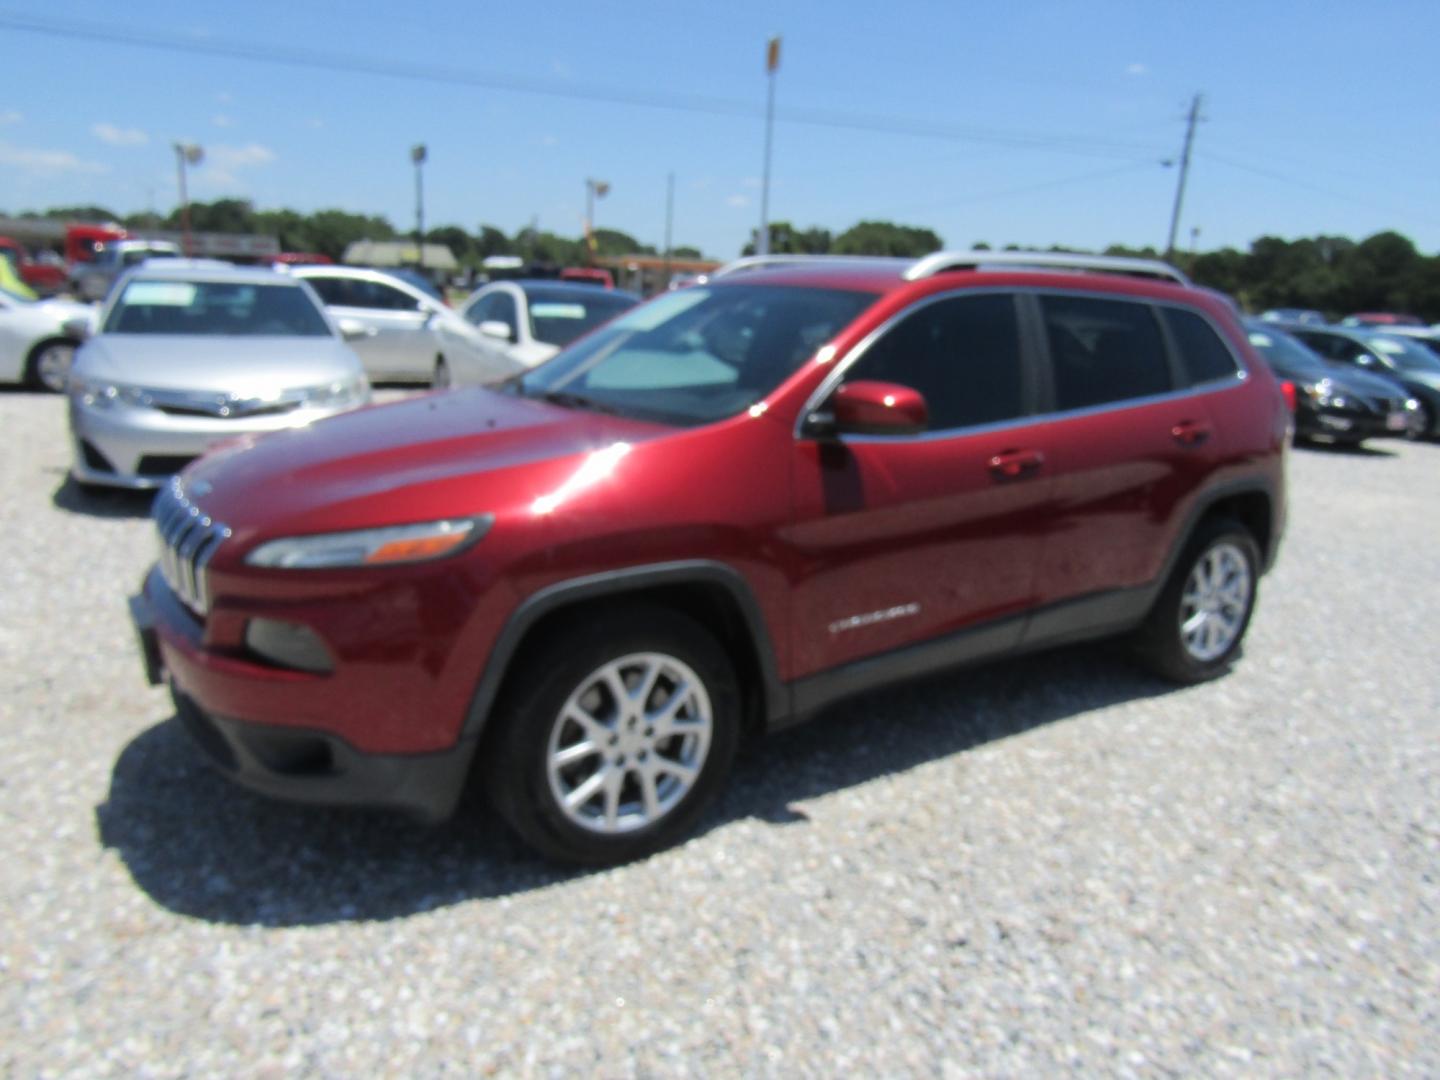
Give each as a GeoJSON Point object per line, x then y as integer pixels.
{"type": "Point", "coordinates": [118, 136]}
{"type": "Point", "coordinates": [220, 120]}
{"type": "Point", "coordinates": [737, 201]}
{"type": "Point", "coordinates": [223, 164]}
{"type": "Point", "coordinates": [549, 140]}
{"type": "Point", "coordinates": [750, 182]}
{"type": "Point", "coordinates": [47, 162]}
{"type": "Point", "coordinates": [10, 116]}
{"type": "Point", "coordinates": [316, 123]}
{"type": "Point", "coordinates": [224, 97]}
{"type": "Point", "coordinates": [248, 156]}
{"type": "Point", "coordinates": [1137, 69]}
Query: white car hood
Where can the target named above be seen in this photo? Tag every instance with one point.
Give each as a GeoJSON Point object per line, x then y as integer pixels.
{"type": "Point", "coordinates": [253, 366]}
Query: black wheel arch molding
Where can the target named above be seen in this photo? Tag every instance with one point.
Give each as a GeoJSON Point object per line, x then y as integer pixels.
{"type": "Point", "coordinates": [774, 696]}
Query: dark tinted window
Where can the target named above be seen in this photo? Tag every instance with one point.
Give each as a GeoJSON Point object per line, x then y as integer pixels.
{"type": "Point", "coordinates": [962, 354]}
{"type": "Point", "coordinates": [1333, 346]}
{"type": "Point", "coordinates": [1103, 351]}
{"type": "Point", "coordinates": [1202, 353]}
{"type": "Point", "coordinates": [559, 316]}
{"type": "Point", "coordinates": [359, 293]}
{"type": "Point", "coordinates": [1285, 355]}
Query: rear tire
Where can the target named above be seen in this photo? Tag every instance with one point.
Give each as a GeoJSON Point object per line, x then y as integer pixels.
{"type": "Point", "coordinates": [1194, 631]}
{"type": "Point", "coordinates": [614, 735]}
{"type": "Point", "coordinates": [48, 365]}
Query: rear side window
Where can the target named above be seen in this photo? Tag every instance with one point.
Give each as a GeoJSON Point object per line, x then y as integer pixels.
{"type": "Point", "coordinates": [1202, 353]}
{"type": "Point", "coordinates": [1103, 351]}
{"type": "Point", "coordinates": [962, 354]}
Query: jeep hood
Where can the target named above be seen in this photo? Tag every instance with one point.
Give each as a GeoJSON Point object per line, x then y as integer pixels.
{"type": "Point", "coordinates": [449, 454]}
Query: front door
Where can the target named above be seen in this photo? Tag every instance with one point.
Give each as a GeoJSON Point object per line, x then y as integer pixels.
{"type": "Point", "coordinates": [901, 539]}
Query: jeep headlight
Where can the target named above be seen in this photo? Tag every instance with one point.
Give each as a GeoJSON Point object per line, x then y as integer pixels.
{"type": "Point", "coordinates": [372, 547]}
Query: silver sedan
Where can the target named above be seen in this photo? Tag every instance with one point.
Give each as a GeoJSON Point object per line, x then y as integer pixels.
{"type": "Point", "coordinates": [187, 357]}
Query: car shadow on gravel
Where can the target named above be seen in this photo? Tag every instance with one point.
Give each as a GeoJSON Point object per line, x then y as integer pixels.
{"type": "Point", "coordinates": [202, 847]}
{"type": "Point", "coordinates": [101, 502]}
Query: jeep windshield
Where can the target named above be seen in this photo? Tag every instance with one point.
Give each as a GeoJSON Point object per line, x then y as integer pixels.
{"type": "Point", "coordinates": [697, 355]}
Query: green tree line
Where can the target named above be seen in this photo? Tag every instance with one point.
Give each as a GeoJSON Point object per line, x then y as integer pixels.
{"type": "Point", "coordinates": [1333, 274]}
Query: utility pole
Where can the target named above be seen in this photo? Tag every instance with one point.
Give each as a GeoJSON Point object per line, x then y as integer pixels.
{"type": "Point", "coordinates": [1190, 123]}
{"type": "Point", "coordinates": [772, 65]}
{"type": "Point", "coordinates": [669, 222]}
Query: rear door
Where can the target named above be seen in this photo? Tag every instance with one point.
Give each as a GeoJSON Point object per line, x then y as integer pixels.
{"type": "Point", "coordinates": [907, 538]}
{"type": "Point", "coordinates": [1131, 434]}
{"type": "Point", "coordinates": [398, 344]}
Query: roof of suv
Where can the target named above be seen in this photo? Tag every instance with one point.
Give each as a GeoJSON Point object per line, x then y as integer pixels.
{"type": "Point", "coordinates": [884, 274]}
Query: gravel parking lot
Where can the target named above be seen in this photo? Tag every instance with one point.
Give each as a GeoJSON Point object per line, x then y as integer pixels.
{"type": "Point", "coordinates": [1056, 863]}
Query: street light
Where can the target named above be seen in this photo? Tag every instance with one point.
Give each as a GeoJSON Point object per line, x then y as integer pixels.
{"type": "Point", "coordinates": [417, 155]}
{"type": "Point", "coordinates": [186, 154]}
{"type": "Point", "coordinates": [772, 65]}
{"type": "Point", "coordinates": [594, 189]}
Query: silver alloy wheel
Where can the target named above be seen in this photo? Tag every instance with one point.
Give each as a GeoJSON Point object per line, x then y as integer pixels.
{"type": "Point", "coordinates": [52, 365]}
{"type": "Point", "coordinates": [1215, 602]}
{"type": "Point", "coordinates": [629, 743]}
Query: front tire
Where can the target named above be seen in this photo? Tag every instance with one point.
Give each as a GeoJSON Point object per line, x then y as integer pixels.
{"type": "Point", "coordinates": [614, 735]}
{"type": "Point", "coordinates": [1194, 631]}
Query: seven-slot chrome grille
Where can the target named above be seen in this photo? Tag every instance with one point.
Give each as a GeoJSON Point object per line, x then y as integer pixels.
{"type": "Point", "coordinates": [188, 538]}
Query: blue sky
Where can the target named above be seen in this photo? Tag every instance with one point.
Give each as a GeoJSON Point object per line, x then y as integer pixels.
{"type": "Point", "coordinates": [1028, 123]}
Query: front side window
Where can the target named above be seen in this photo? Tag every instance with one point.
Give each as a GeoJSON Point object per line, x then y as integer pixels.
{"type": "Point", "coordinates": [1103, 351]}
{"type": "Point", "coordinates": [697, 355]}
{"type": "Point", "coordinates": [1202, 354]}
{"type": "Point", "coordinates": [150, 306]}
{"type": "Point", "coordinates": [962, 354]}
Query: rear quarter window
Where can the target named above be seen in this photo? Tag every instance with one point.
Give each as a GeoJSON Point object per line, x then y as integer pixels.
{"type": "Point", "coordinates": [1204, 356]}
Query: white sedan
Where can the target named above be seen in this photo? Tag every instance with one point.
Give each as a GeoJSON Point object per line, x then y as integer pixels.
{"type": "Point", "coordinates": [35, 347]}
{"type": "Point", "coordinates": [409, 333]}
{"type": "Point", "coordinates": [527, 322]}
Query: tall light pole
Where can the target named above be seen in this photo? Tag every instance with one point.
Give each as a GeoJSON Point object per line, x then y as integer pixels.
{"type": "Point", "coordinates": [417, 155]}
{"type": "Point", "coordinates": [594, 189]}
{"type": "Point", "coordinates": [772, 65]}
{"type": "Point", "coordinates": [669, 222]}
{"type": "Point", "coordinates": [186, 154]}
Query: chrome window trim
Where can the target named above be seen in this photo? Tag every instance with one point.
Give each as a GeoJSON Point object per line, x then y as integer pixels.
{"type": "Point", "coordinates": [836, 375]}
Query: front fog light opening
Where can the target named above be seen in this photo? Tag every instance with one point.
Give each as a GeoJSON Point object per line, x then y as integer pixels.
{"type": "Point", "coordinates": [288, 645]}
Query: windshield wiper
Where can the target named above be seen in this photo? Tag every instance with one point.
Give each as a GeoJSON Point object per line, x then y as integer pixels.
{"type": "Point", "coordinates": [568, 400]}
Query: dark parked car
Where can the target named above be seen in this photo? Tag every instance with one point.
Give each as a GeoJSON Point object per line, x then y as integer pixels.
{"type": "Point", "coordinates": [1407, 362]}
{"type": "Point", "coordinates": [1332, 401]}
{"type": "Point", "coordinates": [711, 517]}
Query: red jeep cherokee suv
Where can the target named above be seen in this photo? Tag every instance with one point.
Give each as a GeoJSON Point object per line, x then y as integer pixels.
{"type": "Point", "coordinates": [714, 516]}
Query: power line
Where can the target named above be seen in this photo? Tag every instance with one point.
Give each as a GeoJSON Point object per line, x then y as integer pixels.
{"type": "Point", "coordinates": [1024, 189]}
{"type": "Point", "coordinates": [111, 35]}
{"type": "Point", "coordinates": [1296, 182]}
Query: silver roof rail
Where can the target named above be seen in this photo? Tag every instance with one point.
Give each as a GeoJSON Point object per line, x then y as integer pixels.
{"type": "Point", "coordinates": [942, 261]}
{"type": "Point", "coordinates": [762, 262]}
